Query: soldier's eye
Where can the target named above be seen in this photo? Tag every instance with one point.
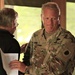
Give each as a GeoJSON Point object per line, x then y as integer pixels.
{"type": "Point", "coordinates": [47, 18]}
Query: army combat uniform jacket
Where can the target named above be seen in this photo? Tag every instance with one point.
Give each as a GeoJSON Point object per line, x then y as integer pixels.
{"type": "Point", "coordinates": [52, 56]}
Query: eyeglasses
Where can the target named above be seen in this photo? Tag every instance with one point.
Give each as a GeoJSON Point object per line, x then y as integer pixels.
{"type": "Point", "coordinates": [16, 24]}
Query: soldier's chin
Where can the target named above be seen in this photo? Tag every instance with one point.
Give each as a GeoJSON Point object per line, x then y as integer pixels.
{"type": "Point", "coordinates": [52, 30]}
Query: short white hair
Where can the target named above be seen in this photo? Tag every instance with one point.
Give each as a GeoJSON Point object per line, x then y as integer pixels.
{"type": "Point", "coordinates": [51, 5]}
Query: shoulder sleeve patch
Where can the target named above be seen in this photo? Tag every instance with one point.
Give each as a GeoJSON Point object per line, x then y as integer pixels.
{"type": "Point", "coordinates": [66, 52]}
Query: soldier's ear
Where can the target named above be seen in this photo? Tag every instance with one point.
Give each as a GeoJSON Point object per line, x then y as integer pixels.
{"type": "Point", "coordinates": [59, 19]}
{"type": "Point", "coordinates": [42, 21]}
{"type": "Point", "coordinates": [42, 25]}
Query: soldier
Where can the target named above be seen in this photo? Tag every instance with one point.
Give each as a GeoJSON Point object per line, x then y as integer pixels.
{"type": "Point", "coordinates": [51, 50]}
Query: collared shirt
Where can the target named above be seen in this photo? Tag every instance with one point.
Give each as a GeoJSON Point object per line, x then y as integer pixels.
{"type": "Point", "coordinates": [8, 44]}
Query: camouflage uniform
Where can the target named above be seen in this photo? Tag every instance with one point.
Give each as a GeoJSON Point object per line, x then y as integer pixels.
{"type": "Point", "coordinates": [52, 56]}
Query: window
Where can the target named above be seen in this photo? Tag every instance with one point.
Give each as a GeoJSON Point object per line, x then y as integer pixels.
{"type": "Point", "coordinates": [29, 21]}
{"type": "Point", "coordinates": [70, 11]}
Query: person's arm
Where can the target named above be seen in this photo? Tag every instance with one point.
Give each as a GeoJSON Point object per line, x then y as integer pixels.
{"type": "Point", "coordinates": [23, 50]}
{"type": "Point", "coordinates": [22, 66]}
{"type": "Point", "coordinates": [17, 65]}
{"type": "Point", "coordinates": [64, 59]}
{"type": "Point", "coordinates": [26, 59]}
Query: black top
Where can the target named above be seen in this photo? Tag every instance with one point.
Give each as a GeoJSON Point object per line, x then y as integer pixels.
{"type": "Point", "coordinates": [8, 44]}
